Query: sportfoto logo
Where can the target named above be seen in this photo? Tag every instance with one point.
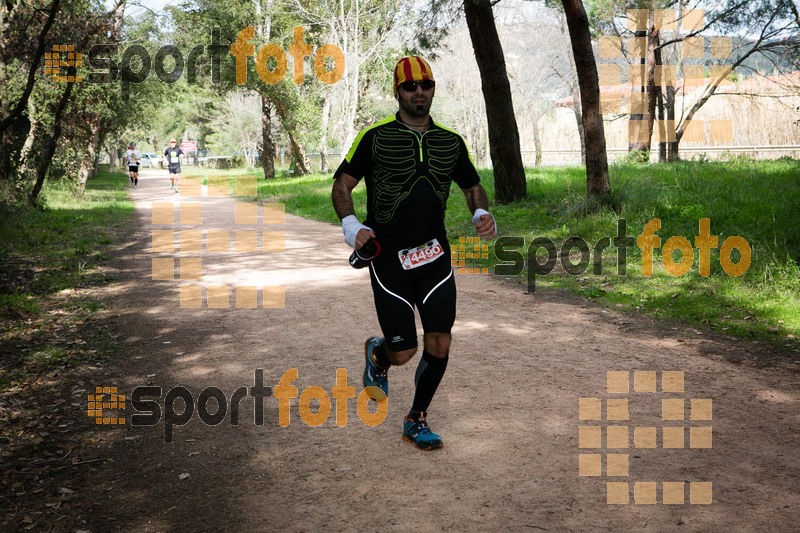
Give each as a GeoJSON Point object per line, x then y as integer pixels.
{"type": "Point", "coordinates": [169, 63]}
{"type": "Point", "coordinates": [512, 262]}
{"type": "Point", "coordinates": [147, 401]}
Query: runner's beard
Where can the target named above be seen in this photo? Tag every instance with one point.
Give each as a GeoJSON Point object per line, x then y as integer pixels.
{"type": "Point", "coordinates": [416, 110]}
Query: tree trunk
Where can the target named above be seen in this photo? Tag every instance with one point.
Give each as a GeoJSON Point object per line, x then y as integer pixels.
{"type": "Point", "coordinates": [351, 106]}
{"type": "Point", "coordinates": [323, 140]}
{"type": "Point", "coordinates": [660, 106]}
{"type": "Point", "coordinates": [323, 162]}
{"type": "Point", "coordinates": [87, 165]}
{"type": "Point", "coordinates": [302, 165]}
{"type": "Point", "coordinates": [509, 173]}
{"type": "Point", "coordinates": [352, 50]}
{"type": "Point", "coordinates": [707, 93]}
{"type": "Point", "coordinates": [112, 158]}
{"type": "Point", "coordinates": [537, 140]}
{"type": "Point", "coordinates": [637, 127]}
{"type": "Point", "coordinates": [652, 89]}
{"type": "Point", "coordinates": [101, 139]}
{"type": "Point", "coordinates": [576, 108]}
{"type": "Point", "coordinates": [25, 153]}
{"type": "Point", "coordinates": [662, 129]}
{"type": "Point", "coordinates": [50, 149]}
{"type": "Point", "coordinates": [597, 185]}
{"type": "Point", "coordinates": [267, 151]}
{"type": "Point", "coordinates": [672, 145]}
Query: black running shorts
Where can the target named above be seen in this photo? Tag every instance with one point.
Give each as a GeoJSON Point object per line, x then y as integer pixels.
{"type": "Point", "coordinates": [133, 168]}
{"type": "Point", "coordinates": [431, 288]}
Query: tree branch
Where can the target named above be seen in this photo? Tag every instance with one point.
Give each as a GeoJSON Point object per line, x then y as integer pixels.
{"type": "Point", "coordinates": [707, 26]}
{"type": "Point", "coordinates": [795, 12]}
{"type": "Point", "coordinates": [711, 88]}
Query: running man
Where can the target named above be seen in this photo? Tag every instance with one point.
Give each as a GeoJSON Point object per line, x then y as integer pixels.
{"type": "Point", "coordinates": [173, 155]}
{"type": "Point", "coordinates": [132, 155]}
{"type": "Point", "coordinates": [407, 162]}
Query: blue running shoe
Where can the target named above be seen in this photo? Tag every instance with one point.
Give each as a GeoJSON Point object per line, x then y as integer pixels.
{"type": "Point", "coordinates": [376, 379]}
{"type": "Point", "coordinates": [420, 434]}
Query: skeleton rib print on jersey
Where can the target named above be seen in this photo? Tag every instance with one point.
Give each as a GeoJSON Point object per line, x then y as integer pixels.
{"type": "Point", "coordinates": [413, 157]}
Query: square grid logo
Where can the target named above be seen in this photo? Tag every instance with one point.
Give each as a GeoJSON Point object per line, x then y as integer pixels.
{"type": "Point", "coordinates": [98, 403]}
{"type": "Point", "coordinates": [179, 243]}
{"type": "Point", "coordinates": [466, 253]}
{"type": "Point", "coordinates": [62, 56]}
{"type": "Point", "coordinates": [606, 434]}
{"type": "Point", "coordinates": [700, 62]}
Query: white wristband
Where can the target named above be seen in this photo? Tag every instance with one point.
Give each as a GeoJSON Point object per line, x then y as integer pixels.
{"type": "Point", "coordinates": [350, 228]}
{"type": "Point", "coordinates": [476, 218]}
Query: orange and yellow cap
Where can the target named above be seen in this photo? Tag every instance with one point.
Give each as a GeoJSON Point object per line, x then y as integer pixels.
{"type": "Point", "coordinates": [412, 68]}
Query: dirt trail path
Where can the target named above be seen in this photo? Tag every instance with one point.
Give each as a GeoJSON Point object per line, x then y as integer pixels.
{"type": "Point", "coordinates": [508, 408]}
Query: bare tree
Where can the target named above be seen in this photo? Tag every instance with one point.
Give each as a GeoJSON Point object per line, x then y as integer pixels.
{"type": "Point", "coordinates": [238, 124]}
{"type": "Point", "coordinates": [363, 30]}
{"type": "Point", "coordinates": [771, 36]}
{"type": "Point", "coordinates": [567, 73]}
{"type": "Point", "coordinates": [535, 38]}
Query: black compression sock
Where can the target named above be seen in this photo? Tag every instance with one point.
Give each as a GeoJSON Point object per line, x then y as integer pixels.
{"type": "Point", "coordinates": [429, 375]}
{"type": "Point", "coordinates": [416, 415]}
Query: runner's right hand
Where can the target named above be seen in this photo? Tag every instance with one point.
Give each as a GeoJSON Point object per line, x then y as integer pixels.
{"type": "Point", "coordinates": [363, 236]}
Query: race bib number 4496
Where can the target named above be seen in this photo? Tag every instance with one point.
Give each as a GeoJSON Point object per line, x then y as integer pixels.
{"type": "Point", "coordinates": [421, 255]}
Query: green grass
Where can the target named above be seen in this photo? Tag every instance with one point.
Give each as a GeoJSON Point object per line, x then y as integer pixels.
{"type": "Point", "coordinates": [755, 200]}
{"type": "Point", "coordinates": [50, 254]}
{"type": "Point", "coordinates": [68, 236]}
{"type": "Point", "coordinates": [20, 303]}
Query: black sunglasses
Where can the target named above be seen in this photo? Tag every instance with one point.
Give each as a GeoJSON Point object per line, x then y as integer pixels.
{"type": "Point", "coordinates": [411, 86]}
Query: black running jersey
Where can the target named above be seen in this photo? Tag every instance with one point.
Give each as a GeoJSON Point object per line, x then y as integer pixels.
{"type": "Point", "coordinates": [408, 176]}
{"type": "Point", "coordinates": [173, 155]}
